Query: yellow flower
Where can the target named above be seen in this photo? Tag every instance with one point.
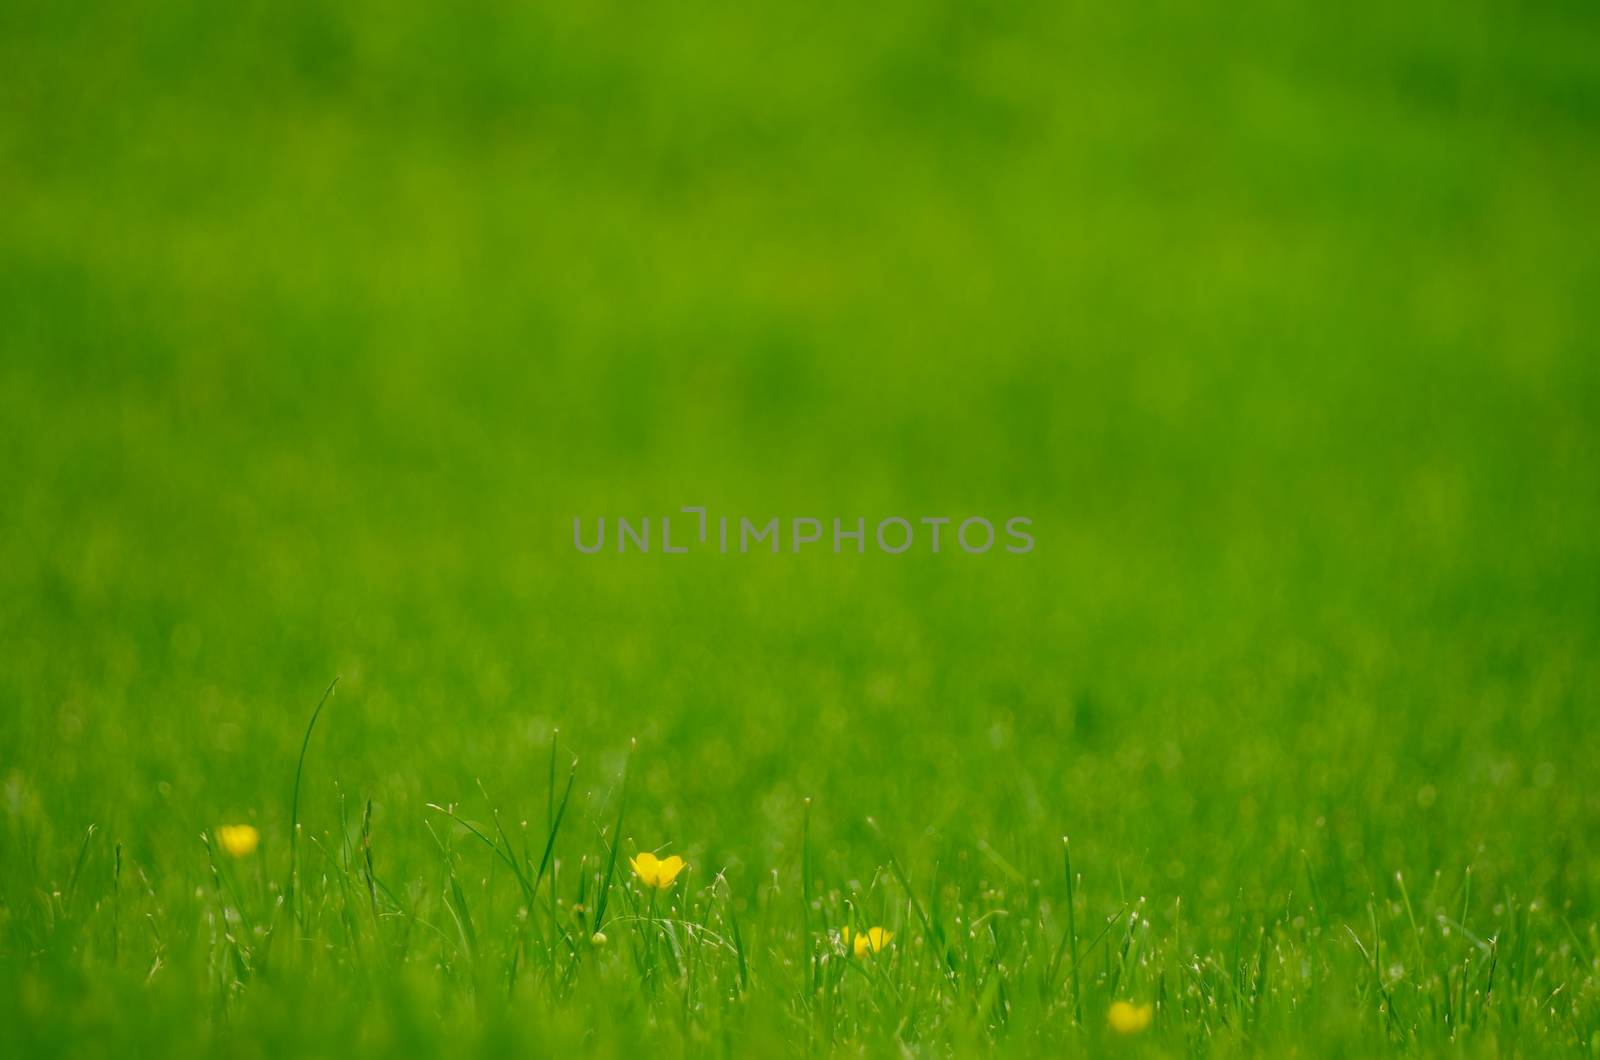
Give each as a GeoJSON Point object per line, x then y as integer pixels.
{"type": "Point", "coordinates": [1127, 1019]}
{"type": "Point", "coordinates": [238, 839]}
{"type": "Point", "coordinates": [657, 872]}
{"type": "Point", "coordinates": [869, 941]}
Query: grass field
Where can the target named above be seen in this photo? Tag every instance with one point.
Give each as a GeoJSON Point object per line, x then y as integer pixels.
{"type": "Point", "coordinates": [319, 327]}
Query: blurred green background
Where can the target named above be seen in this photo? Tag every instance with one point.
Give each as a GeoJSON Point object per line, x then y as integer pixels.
{"type": "Point", "coordinates": [318, 326]}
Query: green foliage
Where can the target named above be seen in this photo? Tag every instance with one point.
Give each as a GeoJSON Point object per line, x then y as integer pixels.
{"type": "Point", "coordinates": [318, 326]}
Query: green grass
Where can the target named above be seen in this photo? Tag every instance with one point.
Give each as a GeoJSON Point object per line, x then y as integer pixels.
{"type": "Point", "coordinates": [317, 328]}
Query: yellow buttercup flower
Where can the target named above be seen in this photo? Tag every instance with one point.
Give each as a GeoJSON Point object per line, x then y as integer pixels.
{"type": "Point", "coordinates": [1128, 1019]}
{"type": "Point", "coordinates": [871, 940]}
{"type": "Point", "coordinates": [657, 872]}
{"type": "Point", "coordinates": [238, 839]}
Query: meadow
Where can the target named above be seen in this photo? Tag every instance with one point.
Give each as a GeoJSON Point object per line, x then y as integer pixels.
{"type": "Point", "coordinates": [320, 326]}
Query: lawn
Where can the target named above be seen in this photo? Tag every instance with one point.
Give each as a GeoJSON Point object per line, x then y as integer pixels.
{"type": "Point", "coordinates": [319, 327]}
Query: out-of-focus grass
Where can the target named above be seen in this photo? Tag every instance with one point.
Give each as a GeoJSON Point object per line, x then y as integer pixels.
{"type": "Point", "coordinates": [317, 328]}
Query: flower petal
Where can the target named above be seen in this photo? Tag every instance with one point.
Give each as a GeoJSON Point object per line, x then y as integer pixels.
{"type": "Point", "coordinates": [644, 867]}
{"type": "Point", "coordinates": [1128, 1019]}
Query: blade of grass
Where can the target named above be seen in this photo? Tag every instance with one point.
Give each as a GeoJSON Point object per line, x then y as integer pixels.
{"type": "Point", "coordinates": [615, 843]}
{"type": "Point", "coordinates": [294, 805]}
